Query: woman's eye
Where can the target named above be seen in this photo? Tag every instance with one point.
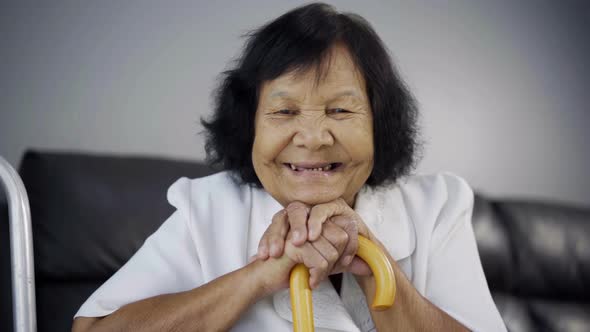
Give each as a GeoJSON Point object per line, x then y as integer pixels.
{"type": "Point", "coordinates": [285, 112]}
{"type": "Point", "coordinates": [338, 111]}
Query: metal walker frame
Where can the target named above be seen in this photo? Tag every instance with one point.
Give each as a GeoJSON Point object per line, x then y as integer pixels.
{"type": "Point", "coordinates": [21, 246]}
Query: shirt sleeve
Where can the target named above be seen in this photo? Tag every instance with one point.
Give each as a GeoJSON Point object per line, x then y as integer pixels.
{"type": "Point", "coordinates": [455, 279]}
{"type": "Point", "coordinates": [166, 263]}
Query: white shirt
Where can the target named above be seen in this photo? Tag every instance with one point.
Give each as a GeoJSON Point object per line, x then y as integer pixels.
{"type": "Point", "coordinates": [423, 221]}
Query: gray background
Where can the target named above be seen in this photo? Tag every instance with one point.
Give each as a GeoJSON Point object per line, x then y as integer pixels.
{"type": "Point", "coordinates": [503, 86]}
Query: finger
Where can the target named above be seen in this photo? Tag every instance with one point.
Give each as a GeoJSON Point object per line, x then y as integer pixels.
{"type": "Point", "coordinates": [330, 255]}
{"type": "Point", "coordinates": [336, 235]}
{"type": "Point", "coordinates": [363, 229]}
{"type": "Point", "coordinates": [262, 252]}
{"type": "Point", "coordinates": [297, 213]}
{"type": "Point", "coordinates": [252, 259]}
{"type": "Point", "coordinates": [269, 238]}
{"type": "Point", "coordinates": [359, 267]}
{"type": "Point", "coordinates": [276, 234]}
{"type": "Point", "coordinates": [319, 214]}
{"type": "Point", "coordinates": [350, 227]}
{"type": "Point", "coordinates": [309, 256]}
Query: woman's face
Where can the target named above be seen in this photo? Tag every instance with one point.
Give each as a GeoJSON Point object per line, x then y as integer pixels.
{"type": "Point", "coordinates": [314, 140]}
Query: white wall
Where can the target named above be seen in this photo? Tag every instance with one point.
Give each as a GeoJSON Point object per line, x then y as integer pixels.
{"type": "Point", "coordinates": [502, 85]}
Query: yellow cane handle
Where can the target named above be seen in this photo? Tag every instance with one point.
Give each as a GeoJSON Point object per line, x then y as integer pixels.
{"type": "Point", "coordinates": [385, 287]}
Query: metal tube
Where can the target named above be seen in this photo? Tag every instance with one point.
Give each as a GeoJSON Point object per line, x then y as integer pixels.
{"type": "Point", "coordinates": [21, 244]}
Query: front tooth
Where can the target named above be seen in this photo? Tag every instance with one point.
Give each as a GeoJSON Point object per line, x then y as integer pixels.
{"type": "Point", "coordinates": [293, 167]}
{"type": "Point", "coordinates": [327, 168]}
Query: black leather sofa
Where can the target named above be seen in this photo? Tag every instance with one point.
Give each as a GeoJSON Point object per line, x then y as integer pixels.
{"type": "Point", "coordinates": [91, 213]}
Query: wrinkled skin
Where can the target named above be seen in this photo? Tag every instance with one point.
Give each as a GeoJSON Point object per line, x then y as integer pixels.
{"type": "Point", "coordinates": [313, 151]}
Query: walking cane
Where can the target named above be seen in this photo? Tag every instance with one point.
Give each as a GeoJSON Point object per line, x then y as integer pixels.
{"type": "Point", "coordinates": [384, 285]}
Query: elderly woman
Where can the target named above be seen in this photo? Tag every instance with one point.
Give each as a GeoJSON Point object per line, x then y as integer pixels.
{"type": "Point", "coordinates": [316, 134]}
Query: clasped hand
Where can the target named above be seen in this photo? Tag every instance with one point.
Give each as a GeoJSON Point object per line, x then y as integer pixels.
{"type": "Point", "coordinates": [323, 237]}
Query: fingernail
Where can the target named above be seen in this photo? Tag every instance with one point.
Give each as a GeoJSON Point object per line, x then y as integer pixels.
{"type": "Point", "coordinates": [274, 249]}
{"type": "Point", "coordinates": [296, 235]}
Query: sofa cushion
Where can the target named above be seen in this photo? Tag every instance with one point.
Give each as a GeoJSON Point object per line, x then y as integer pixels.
{"type": "Point", "coordinates": [531, 314]}
{"type": "Point", "coordinates": [112, 203]}
{"type": "Point", "coordinates": [551, 249]}
{"type": "Point", "coordinates": [534, 249]}
{"type": "Point", "coordinates": [58, 301]}
{"type": "Point", "coordinates": [494, 244]}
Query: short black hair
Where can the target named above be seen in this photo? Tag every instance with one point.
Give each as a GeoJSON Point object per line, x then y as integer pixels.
{"type": "Point", "coordinates": [298, 40]}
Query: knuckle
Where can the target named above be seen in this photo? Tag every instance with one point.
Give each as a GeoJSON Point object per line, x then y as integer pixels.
{"type": "Point", "coordinates": [278, 217]}
{"type": "Point", "coordinates": [342, 221]}
{"type": "Point", "coordinates": [348, 224]}
{"type": "Point", "coordinates": [353, 227]}
{"type": "Point", "coordinates": [342, 237]}
{"type": "Point", "coordinates": [339, 204]}
{"type": "Point", "coordinates": [333, 255]}
{"type": "Point", "coordinates": [294, 206]}
{"type": "Point", "coordinates": [275, 241]}
{"type": "Point", "coordinates": [328, 227]}
{"type": "Point", "coordinates": [265, 236]}
{"type": "Point", "coordinates": [339, 218]}
{"type": "Point", "coordinates": [318, 209]}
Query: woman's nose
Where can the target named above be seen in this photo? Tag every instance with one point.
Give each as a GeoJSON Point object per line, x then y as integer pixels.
{"type": "Point", "coordinates": [313, 137]}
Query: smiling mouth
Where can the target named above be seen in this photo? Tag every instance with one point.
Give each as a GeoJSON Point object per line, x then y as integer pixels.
{"type": "Point", "coordinates": [323, 167]}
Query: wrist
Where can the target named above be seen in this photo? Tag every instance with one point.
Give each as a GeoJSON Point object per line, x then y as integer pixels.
{"type": "Point", "coordinates": [256, 278]}
{"type": "Point", "coordinates": [367, 285]}
{"type": "Point", "coordinates": [269, 276]}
